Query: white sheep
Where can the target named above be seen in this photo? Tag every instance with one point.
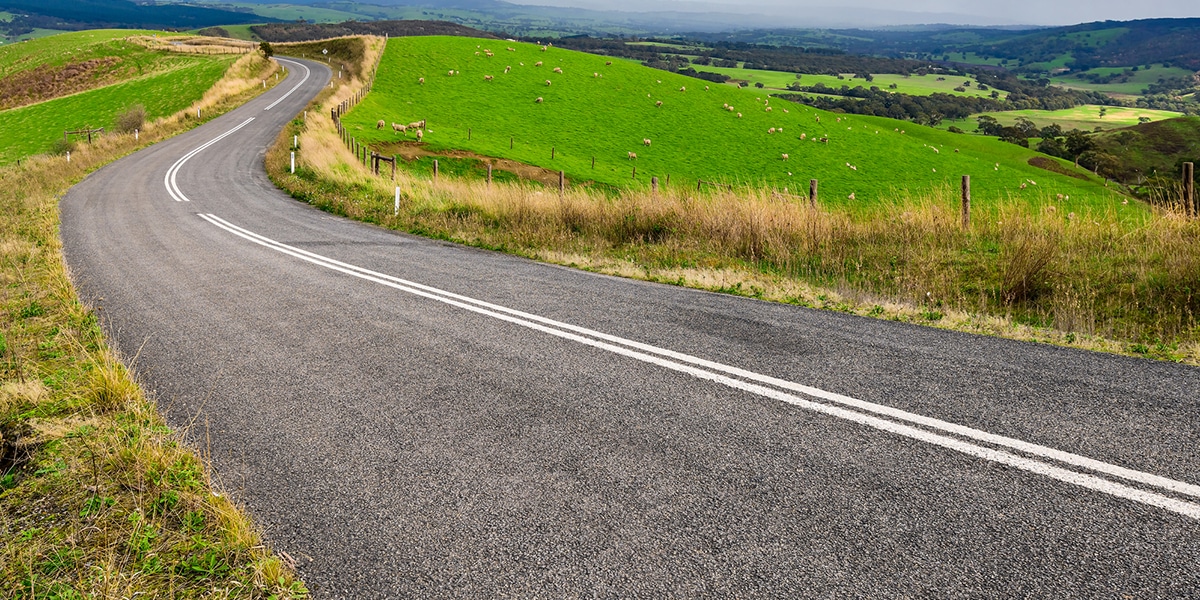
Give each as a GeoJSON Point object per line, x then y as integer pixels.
{"type": "Point", "coordinates": [537, 64]}
{"type": "Point", "coordinates": [803, 136]}
{"type": "Point", "coordinates": [399, 128]}
{"type": "Point", "coordinates": [785, 157]}
{"type": "Point", "coordinates": [768, 109]}
{"type": "Point", "coordinates": [511, 49]}
{"type": "Point", "coordinates": [558, 69]}
{"type": "Point", "coordinates": [507, 69]}
{"type": "Point", "coordinates": [632, 155]}
{"type": "Point", "coordinates": [421, 80]}
{"type": "Point", "coordinates": [851, 196]}
{"type": "Point", "coordinates": [646, 142]}
{"type": "Point", "coordinates": [451, 73]}
{"type": "Point", "coordinates": [739, 115]}
{"type": "Point", "coordinates": [683, 89]}
{"type": "Point", "coordinates": [608, 63]}
{"type": "Point", "coordinates": [547, 82]}
{"type": "Point", "coordinates": [539, 100]}
{"type": "Point", "coordinates": [420, 135]}
{"type": "Point", "coordinates": [594, 74]}
{"type": "Point", "coordinates": [771, 131]}
{"type": "Point", "coordinates": [659, 103]}
{"type": "Point", "coordinates": [380, 124]}
{"type": "Point", "coordinates": [488, 77]}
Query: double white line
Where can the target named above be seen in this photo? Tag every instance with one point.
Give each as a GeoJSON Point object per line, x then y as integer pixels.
{"type": "Point", "coordinates": [1000, 449]}
{"type": "Point", "coordinates": [169, 179]}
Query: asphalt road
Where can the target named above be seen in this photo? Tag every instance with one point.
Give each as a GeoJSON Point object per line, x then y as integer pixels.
{"type": "Point", "coordinates": [409, 417]}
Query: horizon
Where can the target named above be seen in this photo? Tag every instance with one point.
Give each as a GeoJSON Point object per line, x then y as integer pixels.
{"type": "Point", "coordinates": [819, 14]}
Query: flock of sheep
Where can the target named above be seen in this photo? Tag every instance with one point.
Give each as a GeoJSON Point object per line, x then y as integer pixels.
{"type": "Point", "coordinates": [419, 126]}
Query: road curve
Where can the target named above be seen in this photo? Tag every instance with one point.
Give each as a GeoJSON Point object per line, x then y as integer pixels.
{"type": "Point", "coordinates": [409, 417]}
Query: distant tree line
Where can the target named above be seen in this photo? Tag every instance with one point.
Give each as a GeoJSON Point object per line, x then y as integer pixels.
{"type": "Point", "coordinates": [304, 32]}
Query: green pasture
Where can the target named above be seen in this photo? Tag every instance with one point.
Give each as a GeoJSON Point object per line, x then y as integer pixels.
{"type": "Point", "coordinates": [293, 12]}
{"type": "Point", "coordinates": [971, 58]}
{"type": "Point", "coordinates": [913, 85]}
{"type": "Point", "coordinates": [1086, 118]}
{"type": "Point", "coordinates": [74, 47]}
{"type": "Point", "coordinates": [693, 137]}
{"type": "Point", "coordinates": [34, 129]}
{"type": "Point", "coordinates": [1133, 86]}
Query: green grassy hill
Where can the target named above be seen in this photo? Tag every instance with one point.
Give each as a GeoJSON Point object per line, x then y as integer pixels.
{"type": "Point", "coordinates": [604, 117]}
{"type": "Point", "coordinates": [162, 82]}
{"type": "Point", "coordinates": [1149, 149]}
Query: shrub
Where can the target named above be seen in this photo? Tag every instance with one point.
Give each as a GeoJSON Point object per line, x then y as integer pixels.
{"type": "Point", "coordinates": [62, 146]}
{"type": "Point", "coordinates": [132, 119]}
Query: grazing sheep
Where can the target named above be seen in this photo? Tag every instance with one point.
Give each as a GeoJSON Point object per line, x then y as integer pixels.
{"type": "Point", "coordinates": [488, 77]}
{"type": "Point", "coordinates": [646, 142]}
{"type": "Point", "coordinates": [729, 108]}
{"type": "Point", "coordinates": [543, 48]}
{"type": "Point", "coordinates": [739, 115]}
{"type": "Point", "coordinates": [851, 196]}
{"type": "Point", "coordinates": [818, 119]}
{"type": "Point", "coordinates": [450, 73]}
{"type": "Point", "coordinates": [421, 80]}
{"type": "Point", "coordinates": [803, 136]}
{"type": "Point", "coordinates": [725, 106]}
{"type": "Point", "coordinates": [594, 74]}
{"type": "Point", "coordinates": [706, 88]}
{"type": "Point", "coordinates": [659, 103]}
{"type": "Point", "coordinates": [380, 124]}
{"type": "Point", "coordinates": [683, 89]}
{"type": "Point", "coordinates": [1060, 196]}
{"type": "Point", "coordinates": [853, 168]}
{"type": "Point", "coordinates": [420, 135]}
{"type": "Point", "coordinates": [558, 69]}
{"type": "Point", "coordinates": [547, 82]}
{"type": "Point", "coordinates": [768, 109]}
{"type": "Point", "coordinates": [508, 68]}
{"type": "Point", "coordinates": [824, 140]}
{"type": "Point", "coordinates": [632, 155]}
{"type": "Point", "coordinates": [537, 64]}
{"type": "Point", "coordinates": [511, 49]}
{"type": "Point", "coordinates": [399, 128]}
{"type": "Point", "coordinates": [785, 111]}
{"type": "Point", "coordinates": [771, 130]}
{"type": "Point", "coordinates": [608, 63]}
{"type": "Point", "coordinates": [780, 130]}
{"type": "Point", "coordinates": [785, 157]}
{"type": "Point", "coordinates": [539, 100]}
{"type": "Point", "coordinates": [1022, 186]}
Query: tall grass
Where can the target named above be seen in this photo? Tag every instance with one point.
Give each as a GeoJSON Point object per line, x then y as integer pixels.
{"type": "Point", "coordinates": [97, 497]}
{"type": "Point", "coordinates": [1096, 277]}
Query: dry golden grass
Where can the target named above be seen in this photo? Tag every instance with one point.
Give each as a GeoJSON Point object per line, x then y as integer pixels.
{"type": "Point", "coordinates": [97, 496]}
{"type": "Point", "coordinates": [1090, 280]}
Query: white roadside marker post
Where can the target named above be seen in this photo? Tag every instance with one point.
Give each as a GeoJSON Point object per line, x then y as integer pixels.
{"type": "Point", "coordinates": [397, 209]}
{"type": "Point", "coordinates": [293, 162]}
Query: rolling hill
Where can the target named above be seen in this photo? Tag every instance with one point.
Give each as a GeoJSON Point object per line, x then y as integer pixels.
{"type": "Point", "coordinates": [601, 109]}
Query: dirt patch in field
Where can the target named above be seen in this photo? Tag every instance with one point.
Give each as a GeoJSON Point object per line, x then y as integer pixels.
{"type": "Point", "coordinates": [46, 83]}
{"type": "Point", "coordinates": [411, 151]}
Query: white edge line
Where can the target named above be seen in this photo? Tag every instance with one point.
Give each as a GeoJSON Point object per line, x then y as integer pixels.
{"type": "Point", "coordinates": [307, 72]}
{"type": "Point", "coordinates": [1076, 460]}
{"type": "Point", "coordinates": [1084, 480]}
{"type": "Point", "coordinates": [169, 179]}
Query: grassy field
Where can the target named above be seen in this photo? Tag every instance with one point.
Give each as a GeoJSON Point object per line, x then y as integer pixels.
{"type": "Point", "coordinates": [162, 82]}
{"type": "Point", "coordinates": [914, 85]}
{"type": "Point", "coordinates": [72, 47]}
{"type": "Point", "coordinates": [693, 136]}
{"type": "Point", "coordinates": [293, 12]}
{"type": "Point", "coordinates": [1085, 118]}
{"type": "Point", "coordinates": [98, 497]}
{"type": "Point", "coordinates": [1133, 85]}
{"type": "Point", "coordinates": [1090, 276]}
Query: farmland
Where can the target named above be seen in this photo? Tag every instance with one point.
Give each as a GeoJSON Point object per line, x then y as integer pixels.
{"type": "Point", "coordinates": [1085, 118]}
{"type": "Point", "coordinates": [602, 112]}
{"type": "Point", "coordinates": [915, 85]}
{"type": "Point", "coordinates": [162, 82]}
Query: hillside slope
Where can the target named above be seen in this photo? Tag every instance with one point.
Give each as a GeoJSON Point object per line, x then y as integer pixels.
{"type": "Point", "coordinates": [603, 109]}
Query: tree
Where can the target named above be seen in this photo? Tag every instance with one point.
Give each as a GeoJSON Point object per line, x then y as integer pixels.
{"type": "Point", "coordinates": [266, 50]}
{"type": "Point", "coordinates": [1077, 143]}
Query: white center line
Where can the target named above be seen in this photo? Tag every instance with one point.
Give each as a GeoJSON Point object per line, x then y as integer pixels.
{"type": "Point", "coordinates": [720, 373]}
{"type": "Point", "coordinates": [169, 180]}
{"type": "Point", "coordinates": [306, 74]}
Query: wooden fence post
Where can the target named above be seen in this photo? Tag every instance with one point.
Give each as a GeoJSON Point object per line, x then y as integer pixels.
{"type": "Point", "coordinates": [510, 142]}
{"type": "Point", "coordinates": [1189, 190]}
{"type": "Point", "coordinates": [966, 202]}
{"type": "Point", "coordinates": [812, 193]}
{"type": "Point", "coordinates": [562, 182]}
{"type": "Point", "coordinates": [489, 181]}
{"type": "Point", "coordinates": [551, 152]}
{"type": "Point", "coordinates": [635, 172]}
{"type": "Point", "coordinates": [654, 184]}
{"type": "Point", "coordinates": [435, 169]}
{"type": "Point", "coordinates": [468, 134]}
{"type": "Point", "coordinates": [699, 182]}
{"type": "Point", "coordinates": [593, 162]}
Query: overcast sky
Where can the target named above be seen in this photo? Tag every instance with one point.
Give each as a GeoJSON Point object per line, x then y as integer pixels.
{"type": "Point", "coordinates": [992, 12]}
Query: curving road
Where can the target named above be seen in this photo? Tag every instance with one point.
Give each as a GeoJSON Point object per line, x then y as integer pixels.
{"type": "Point", "coordinates": [409, 417]}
